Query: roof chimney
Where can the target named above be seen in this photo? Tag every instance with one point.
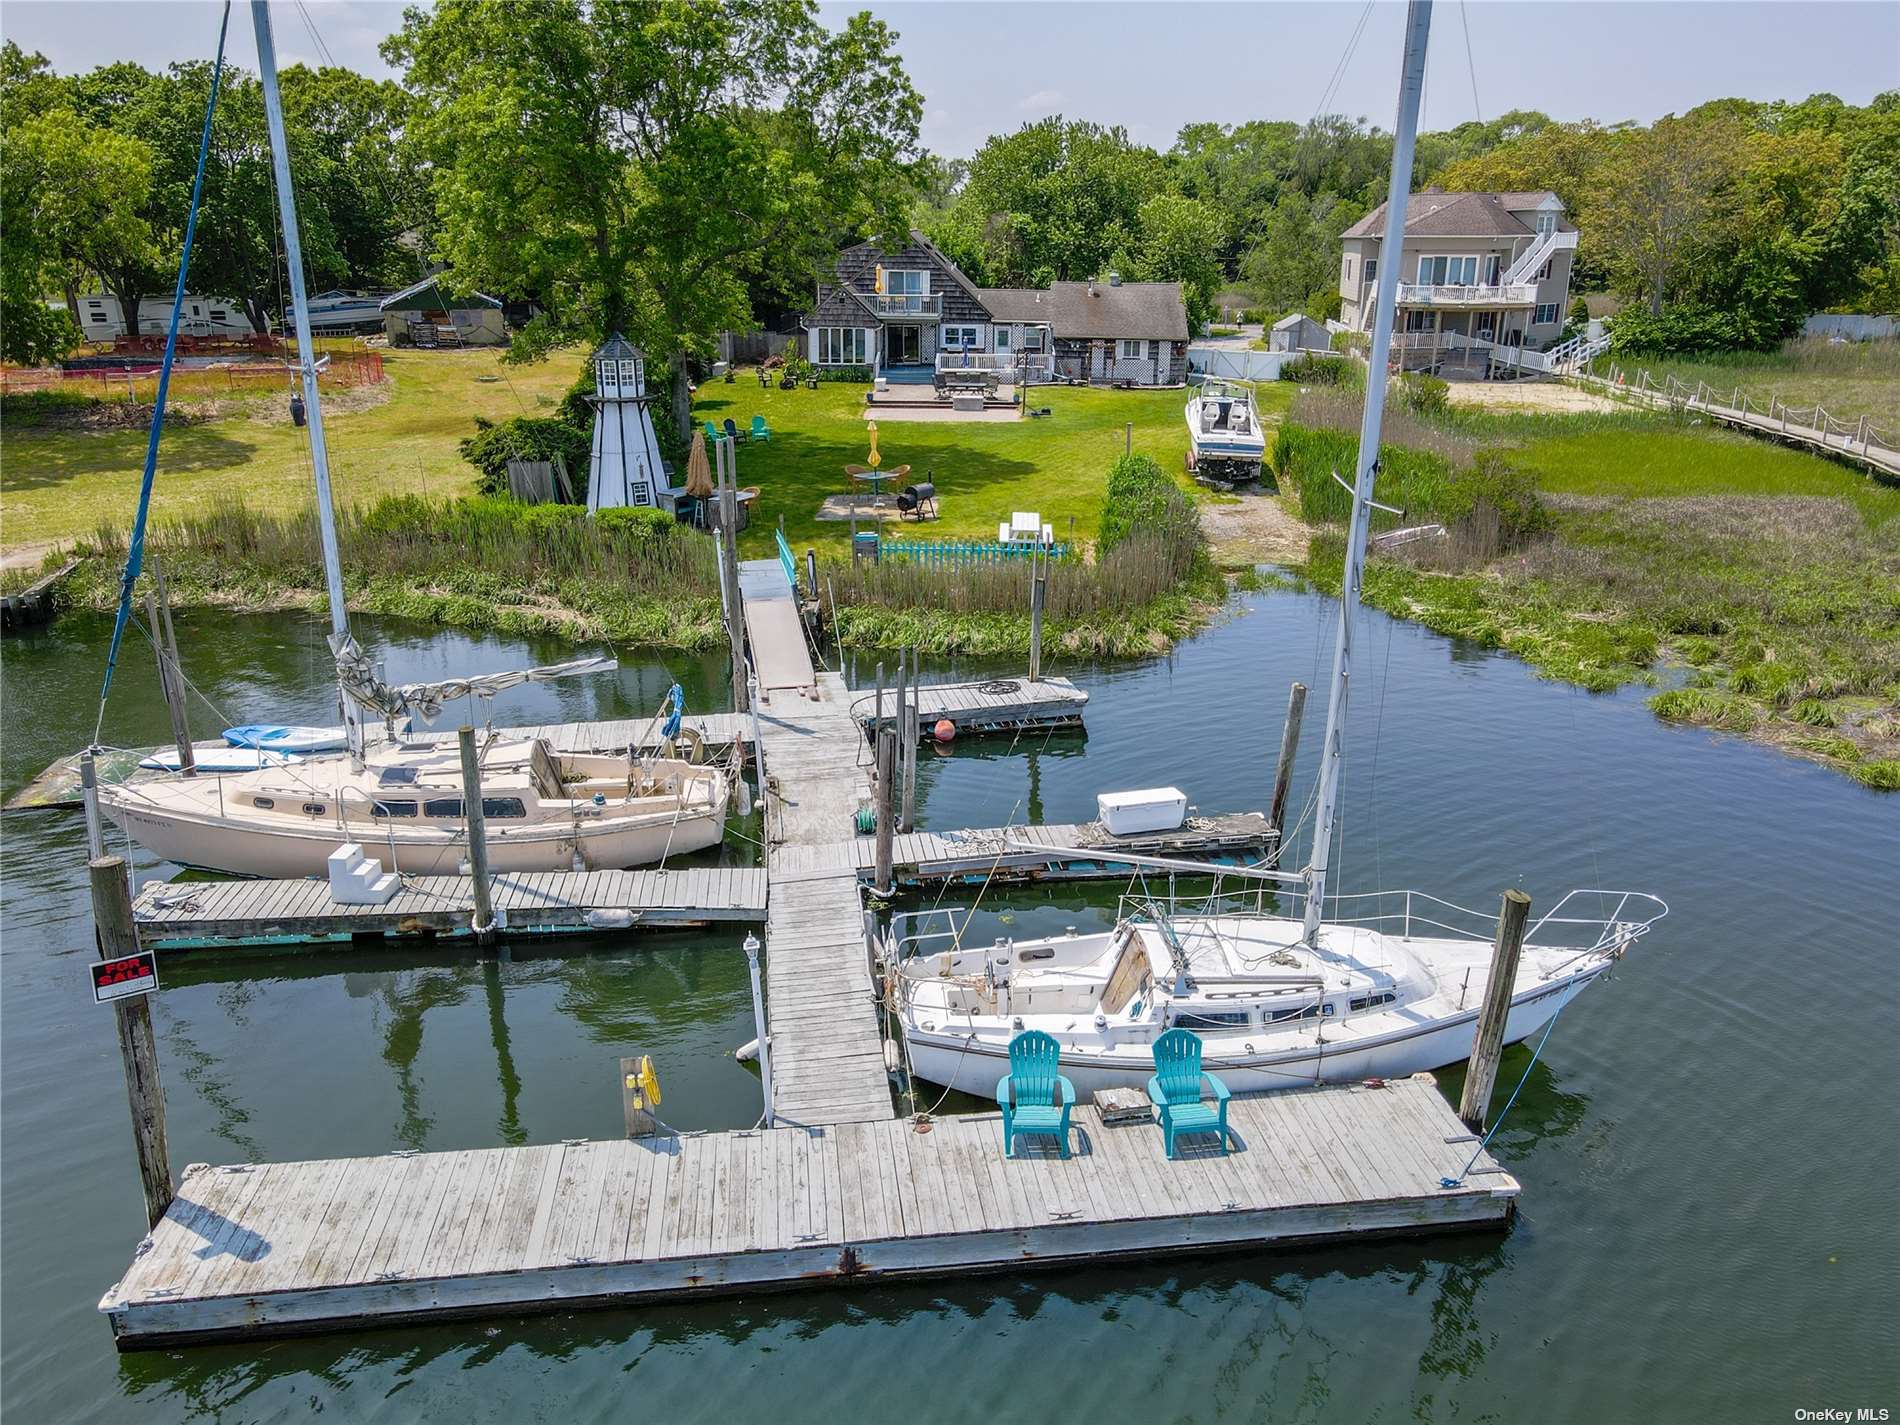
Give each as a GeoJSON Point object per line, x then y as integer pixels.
{"type": "Point", "coordinates": [1114, 279]}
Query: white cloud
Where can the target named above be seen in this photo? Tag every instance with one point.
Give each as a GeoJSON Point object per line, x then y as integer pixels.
{"type": "Point", "coordinates": [1043, 99]}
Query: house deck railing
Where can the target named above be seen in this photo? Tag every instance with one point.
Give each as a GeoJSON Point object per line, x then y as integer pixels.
{"type": "Point", "coordinates": [1035, 364]}
{"type": "Point", "coordinates": [905, 304]}
{"type": "Point", "coordinates": [1476, 294]}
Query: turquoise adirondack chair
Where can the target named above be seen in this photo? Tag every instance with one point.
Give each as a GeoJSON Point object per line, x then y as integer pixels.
{"type": "Point", "coordinates": [760, 430]}
{"type": "Point", "coordinates": [712, 431]}
{"type": "Point", "coordinates": [1175, 1090]}
{"type": "Point", "coordinates": [1034, 1096]}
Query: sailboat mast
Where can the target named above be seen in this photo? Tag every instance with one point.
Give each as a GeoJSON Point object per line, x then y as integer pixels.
{"type": "Point", "coordinates": [307, 358]}
{"type": "Point", "coordinates": [1418, 24]}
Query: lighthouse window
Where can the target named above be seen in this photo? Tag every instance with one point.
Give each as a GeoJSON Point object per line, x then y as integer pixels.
{"type": "Point", "coordinates": [629, 373]}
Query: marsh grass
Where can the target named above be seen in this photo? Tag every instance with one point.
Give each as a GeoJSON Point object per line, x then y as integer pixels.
{"type": "Point", "coordinates": [1850, 379]}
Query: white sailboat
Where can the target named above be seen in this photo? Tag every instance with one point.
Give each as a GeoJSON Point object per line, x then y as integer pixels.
{"type": "Point", "coordinates": [545, 810]}
{"type": "Point", "coordinates": [1390, 984]}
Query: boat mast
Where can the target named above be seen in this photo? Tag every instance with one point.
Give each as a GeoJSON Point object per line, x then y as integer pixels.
{"type": "Point", "coordinates": [1418, 24]}
{"type": "Point", "coordinates": [340, 640]}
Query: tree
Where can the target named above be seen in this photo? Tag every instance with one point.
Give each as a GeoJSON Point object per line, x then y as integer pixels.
{"type": "Point", "coordinates": [1296, 262]}
{"type": "Point", "coordinates": [1177, 239]}
{"type": "Point", "coordinates": [1054, 201]}
{"type": "Point", "coordinates": [1657, 195]}
{"type": "Point", "coordinates": [90, 189]}
{"type": "Point", "coordinates": [633, 161]}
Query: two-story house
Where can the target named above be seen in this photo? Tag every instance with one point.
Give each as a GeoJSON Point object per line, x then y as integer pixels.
{"type": "Point", "coordinates": [1488, 267]}
{"type": "Point", "coordinates": [903, 313]}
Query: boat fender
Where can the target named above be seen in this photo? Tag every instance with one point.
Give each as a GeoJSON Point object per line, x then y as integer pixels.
{"type": "Point", "coordinates": [945, 730]}
{"type": "Point", "coordinates": [747, 1051]}
{"type": "Point", "coordinates": [610, 918]}
{"type": "Point", "coordinates": [890, 1056]}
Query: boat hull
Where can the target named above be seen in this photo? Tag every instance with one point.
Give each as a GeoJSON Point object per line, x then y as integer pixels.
{"type": "Point", "coordinates": [975, 1069]}
{"type": "Point", "coordinates": [252, 850]}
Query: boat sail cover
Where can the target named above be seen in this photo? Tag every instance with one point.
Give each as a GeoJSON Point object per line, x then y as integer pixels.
{"type": "Point", "coordinates": [426, 700]}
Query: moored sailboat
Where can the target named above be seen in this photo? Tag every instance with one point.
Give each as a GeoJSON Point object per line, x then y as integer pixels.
{"type": "Point", "coordinates": [1388, 985]}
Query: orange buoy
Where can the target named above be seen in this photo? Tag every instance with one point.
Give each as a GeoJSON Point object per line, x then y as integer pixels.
{"type": "Point", "coordinates": [945, 730]}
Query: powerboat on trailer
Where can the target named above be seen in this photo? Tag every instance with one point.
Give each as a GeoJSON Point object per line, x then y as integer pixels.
{"type": "Point", "coordinates": [1226, 445]}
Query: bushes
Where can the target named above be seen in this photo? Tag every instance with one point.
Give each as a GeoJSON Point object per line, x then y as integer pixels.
{"type": "Point", "coordinates": [526, 438]}
{"type": "Point", "coordinates": [1311, 369]}
{"type": "Point", "coordinates": [1421, 393]}
{"type": "Point", "coordinates": [1139, 499]}
{"type": "Point", "coordinates": [639, 523]}
{"type": "Point", "coordinates": [860, 375]}
{"type": "Point", "coordinates": [1686, 329]}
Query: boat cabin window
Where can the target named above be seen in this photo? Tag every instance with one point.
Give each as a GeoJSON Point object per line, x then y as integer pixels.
{"type": "Point", "coordinates": [397, 777]}
{"type": "Point", "coordinates": [263, 803]}
{"type": "Point", "coordinates": [1371, 1001]}
{"type": "Point", "coordinates": [1212, 1019]}
{"type": "Point", "coordinates": [503, 806]}
{"type": "Point", "coordinates": [1280, 1016]}
{"type": "Point", "coordinates": [397, 809]}
{"type": "Point", "coordinates": [314, 808]}
{"type": "Point", "coordinates": [443, 806]}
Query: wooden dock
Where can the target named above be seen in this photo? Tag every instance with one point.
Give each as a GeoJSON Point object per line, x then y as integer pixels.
{"type": "Point", "coordinates": [187, 915]}
{"type": "Point", "coordinates": [36, 602]}
{"type": "Point", "coordinates": [1052, 853]}
{"type": "Point", "coordinates": [821, 1004]}
{"type": "Point", "coordinates": [57, 786]}
{"type": "Point", "coordinates": [273, 1249]}
{"type": "Point", "coordinates": [991, 705]}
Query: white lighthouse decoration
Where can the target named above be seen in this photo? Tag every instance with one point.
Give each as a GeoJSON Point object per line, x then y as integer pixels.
{"type": "Point", "coordinates": [624, 468]}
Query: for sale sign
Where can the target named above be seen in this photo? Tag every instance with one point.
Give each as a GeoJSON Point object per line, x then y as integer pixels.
{"type": "Point", "coordinates": [127, 975]}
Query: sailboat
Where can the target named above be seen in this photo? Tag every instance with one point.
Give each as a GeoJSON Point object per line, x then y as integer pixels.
{"type": "Point", "coordinates": [545, 810]}
{"type": "Point", "coordinates": [1390, 984]}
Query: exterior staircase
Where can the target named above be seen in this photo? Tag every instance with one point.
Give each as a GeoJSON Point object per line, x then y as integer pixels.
{"type": "Point", "coordinates": [1539, 252]}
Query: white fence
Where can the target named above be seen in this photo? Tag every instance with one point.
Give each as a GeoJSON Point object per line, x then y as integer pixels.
{"type": "Point", "coordinates": [1239, 365]}
{"type": "Point", "coordinates": [1851, 326]}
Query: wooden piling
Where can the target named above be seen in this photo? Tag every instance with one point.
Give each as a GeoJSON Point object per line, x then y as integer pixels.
{"type": "Point", "coordinates": [138, 1046]}
{"type": "Point", "coordinates": [1283, 773]}
{"type": "Point", "coordinates": [1038, 592]}
{"type": "Point", "coordinates": [633, 1100]}
{"type": "Point", "coordinates": [886, 769]}
{"type": "Point", "coordinates": [729, 554]}
{"type": "Point", "coordinates": [907, 746]}
{"type": "Point", "coordinates": [1482, 1074]}
{"type": "Point", "coordinates": [484, 923]}
{"type": "Point", "coordinates": [89, 798]}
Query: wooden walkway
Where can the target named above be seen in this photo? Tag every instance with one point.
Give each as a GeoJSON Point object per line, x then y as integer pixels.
{"type": "Point", "coordinates": [182, 915]}
{"type": "Point", "coordinates": [923, 857]}
{"type": "Point", "coordinates": [992, 705]}
{"type": "Point", "coordinates": [821, 1005]}
{"type": "Point", "coordinates": [272, 1249]}
{"type": "Point", "coordinates": [58, 784]}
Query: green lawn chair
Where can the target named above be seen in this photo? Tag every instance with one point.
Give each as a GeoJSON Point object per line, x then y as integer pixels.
{"type": "Point", "coordinates": [1175, 1090]}
{"type": "Point", "coordinates": [760, 430]}
{"type": "Point", "coordinates": [712, 431]}
{"type": "Point", "coordinates": [1034, 1096]}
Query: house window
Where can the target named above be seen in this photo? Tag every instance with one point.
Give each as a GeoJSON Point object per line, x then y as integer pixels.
{"type": "Point", "coordinates": [1491, 270]}
{"type": "Point", "coordinates": [1372, 269]}
{"type": "Point", "coordinates": [1546, 223]}
{"type": "Point", "coordinates": [1416, 321]}
{"type": "Point", "coordinates": [1543, 272]}
{"type": "Point", "coordinates": [1033, 338]}
{"type": "Point", "coordinates": [906, 283]}
{"type": "Point", "coordinates": [1348, 276]}
{"type": "Point", "coordinates": [1546, 314]}
{"type": "Point", "coordinates": [960, 338]}
{"type": "Point", "coordinates": [1447, 271]}
{"type": "Point", "coordinates": [1131, 350]}
{"type": "Point", "coordinates": [841, 346]}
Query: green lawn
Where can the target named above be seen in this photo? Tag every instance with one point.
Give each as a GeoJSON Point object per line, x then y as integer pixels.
{"type": "Point", "coordinates": [57, 484]}
{"type": "Point", "coordinates": [983, 470]}
{"type": "Point", "coordinates": [1850, 379]}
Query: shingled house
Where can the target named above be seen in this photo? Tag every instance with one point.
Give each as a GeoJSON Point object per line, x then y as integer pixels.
{"type": "Point", "coordinates": [902, 313]}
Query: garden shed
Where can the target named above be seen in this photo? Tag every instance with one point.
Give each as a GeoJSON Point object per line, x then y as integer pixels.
{"type": "Point", "coordinates": [428, 314]}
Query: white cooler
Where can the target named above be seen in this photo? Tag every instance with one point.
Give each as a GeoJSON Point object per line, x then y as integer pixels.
{"type": "Point", "coordinates": [1155, 809]}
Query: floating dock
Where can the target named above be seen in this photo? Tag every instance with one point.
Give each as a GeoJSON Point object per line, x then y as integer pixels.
{"type": "Point", "coordinates": [274, 1249]}
{"type": "Point", "coordinates": [191, 915]}
{"type": "Point", "coordinates": [992, 705]}
{"type": "Point", "coordinates": [1039, 853]}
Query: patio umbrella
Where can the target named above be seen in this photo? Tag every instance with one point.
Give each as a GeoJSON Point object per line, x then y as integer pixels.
{"type": "Point", "coordinates": [699, 482]}
{"type": "Point", "coordinates": [875, 459]}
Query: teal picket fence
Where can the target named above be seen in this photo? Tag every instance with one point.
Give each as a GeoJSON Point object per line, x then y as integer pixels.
{"type": "Point", "coordinates": [956, 553]}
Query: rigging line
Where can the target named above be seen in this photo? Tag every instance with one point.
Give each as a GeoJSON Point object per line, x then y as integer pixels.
{"type": "Point", "coordinates": [1503, 1113]}
{"type": "Point", "coordinates": [310, 24]}
{"type": "Point", "coordinates": [1345, 60]}
{"type": "Point", "coordinates": [135, 546]}
{"type": "Point", "coordinates": [1464, 17]}
{"type": "Point", "coordinates": [1372, 778]}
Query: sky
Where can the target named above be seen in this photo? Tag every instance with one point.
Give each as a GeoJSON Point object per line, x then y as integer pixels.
{"type": "Point", "coordinates": [987, 68]}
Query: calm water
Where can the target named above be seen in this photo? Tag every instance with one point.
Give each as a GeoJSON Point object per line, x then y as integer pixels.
{"type": "Point", "coordinates": [1711, 1227]}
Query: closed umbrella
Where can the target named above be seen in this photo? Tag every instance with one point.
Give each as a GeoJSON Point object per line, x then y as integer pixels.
{"type": "Point", "coordinates": [699, 483]}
